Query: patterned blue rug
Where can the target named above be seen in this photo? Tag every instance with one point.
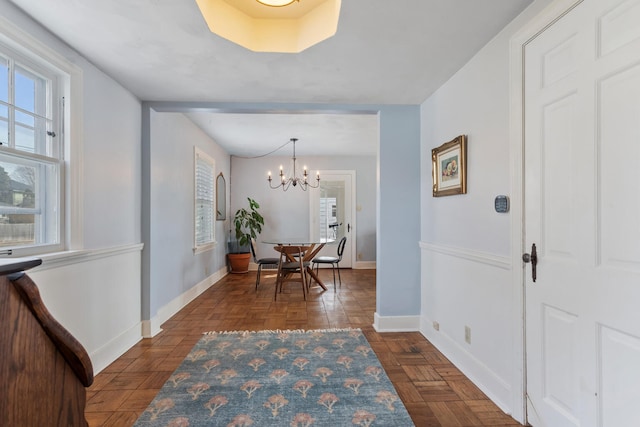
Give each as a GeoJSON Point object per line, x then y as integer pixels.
{"type": "Point", "coordinates": [278, 378]}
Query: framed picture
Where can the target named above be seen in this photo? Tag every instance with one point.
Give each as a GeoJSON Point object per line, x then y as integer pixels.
{"type": "Point", "coordinates": [450, 167]}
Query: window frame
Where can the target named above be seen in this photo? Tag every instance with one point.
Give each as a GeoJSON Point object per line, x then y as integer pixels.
{"type": "Point", "coordinates": [200, 156]}
{"type": "Point", "coordinates": [66, 117]}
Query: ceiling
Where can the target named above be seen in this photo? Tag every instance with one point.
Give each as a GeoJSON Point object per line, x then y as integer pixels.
{"type": "Point", "coordinates": [384, 52]}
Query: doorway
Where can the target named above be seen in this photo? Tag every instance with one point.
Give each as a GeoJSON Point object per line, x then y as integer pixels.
{"type": "Point", "coordinates": [332, 214]}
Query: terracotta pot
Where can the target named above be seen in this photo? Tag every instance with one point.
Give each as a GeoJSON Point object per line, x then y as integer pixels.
{"type": "Point", "coordinates": [239, 263]}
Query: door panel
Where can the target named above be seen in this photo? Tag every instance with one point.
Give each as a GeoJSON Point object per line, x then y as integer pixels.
{"type": "Point", "coordinates": [582, 209]}
{"type": "Point", "coordinates": [620, 393]}
{"type": "Point", "coordinates": [620, 100]}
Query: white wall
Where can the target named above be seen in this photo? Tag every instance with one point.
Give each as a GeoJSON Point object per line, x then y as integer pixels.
{"type": "Point", "coordinates": [249, 179]}
{"type": "Point", "coordinates": [111, 162]}
{"type": "Point", "coordinates": [174, 269]}
{"type": "Point", "coordinates": [466, 253]}
{"type": "Point", "coordinates": [94, 291]}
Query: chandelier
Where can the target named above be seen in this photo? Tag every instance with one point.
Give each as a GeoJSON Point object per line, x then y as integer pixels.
{"type": "Point", "coordinates": [276, 3]}
{"type": "Point", "coordinates": [294, 180]}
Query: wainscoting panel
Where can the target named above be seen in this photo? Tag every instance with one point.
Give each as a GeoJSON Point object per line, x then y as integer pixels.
{"type": "Point", "coordinates": [95, 295]}
{"type": "Point", "coordinates": [466, 299]}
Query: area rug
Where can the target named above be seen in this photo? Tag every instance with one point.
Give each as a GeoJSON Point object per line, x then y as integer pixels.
{"type": "Point", "coordinates": [278, 378]}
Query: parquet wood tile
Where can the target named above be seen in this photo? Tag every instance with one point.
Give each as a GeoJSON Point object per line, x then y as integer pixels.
{"type": "Point", "coordinates": [434, 391]}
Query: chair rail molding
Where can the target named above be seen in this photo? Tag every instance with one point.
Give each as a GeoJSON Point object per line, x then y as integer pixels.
{"type": "Point", "coordinates": [498, 261]}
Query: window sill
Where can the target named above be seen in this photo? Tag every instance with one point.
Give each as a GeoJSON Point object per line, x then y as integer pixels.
{"type": "Point", "coordinates": [204, 248]}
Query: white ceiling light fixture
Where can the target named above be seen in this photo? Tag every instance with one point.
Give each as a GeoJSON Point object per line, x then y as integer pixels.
{"type": "Point", "coordinates": [276, 3]}
{"type": "Point", "coordinates": [294, 180]}
{"type": "Point", "coordinates": [274, 28]}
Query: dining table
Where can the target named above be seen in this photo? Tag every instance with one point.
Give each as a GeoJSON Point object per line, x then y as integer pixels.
{"type": "Point", "coordinates": [313, 247]}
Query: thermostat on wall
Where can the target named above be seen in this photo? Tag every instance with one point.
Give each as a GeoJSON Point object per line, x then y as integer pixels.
{"type": "Point", "coordinates": [501, 204]}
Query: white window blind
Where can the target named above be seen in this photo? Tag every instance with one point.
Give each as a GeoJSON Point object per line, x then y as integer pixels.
{"type": "Point", "coordinates": [204, 201]}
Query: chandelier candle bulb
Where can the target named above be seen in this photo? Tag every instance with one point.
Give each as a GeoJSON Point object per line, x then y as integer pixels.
{"type": "Point", "coordinates": [295, 179]}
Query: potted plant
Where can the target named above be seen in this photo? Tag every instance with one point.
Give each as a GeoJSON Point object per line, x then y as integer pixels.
{"type": "Point", "coordinates": [248, 224]}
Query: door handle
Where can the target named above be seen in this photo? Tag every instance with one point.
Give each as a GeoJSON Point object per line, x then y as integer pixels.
{"type": "Point", "coordinates": [533, 259]}
{"type": "Point", "coordinates": [348, 228]}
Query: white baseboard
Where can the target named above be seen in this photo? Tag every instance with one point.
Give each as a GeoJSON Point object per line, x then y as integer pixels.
{"type": "Point", "coordinates": [105, 355]}
{"type": "Point", "coordinates": [151, 328]}
{"type": "Point", "coordinates": [497, 389]}
{"type": "Point", "coordinates": [396, 323]}
{"type": "Point", "coordinates": [365, 265]}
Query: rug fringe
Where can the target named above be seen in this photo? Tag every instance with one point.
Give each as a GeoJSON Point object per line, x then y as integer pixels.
{"type": "Point", "coordinates": [282, 331]}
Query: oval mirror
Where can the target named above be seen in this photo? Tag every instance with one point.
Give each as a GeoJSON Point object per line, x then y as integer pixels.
{"type": "Point", "coordinates": [221, 198]}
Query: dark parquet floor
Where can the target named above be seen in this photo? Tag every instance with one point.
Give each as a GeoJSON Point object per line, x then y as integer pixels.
{"type": "Point", "coordinates": [433, 390]}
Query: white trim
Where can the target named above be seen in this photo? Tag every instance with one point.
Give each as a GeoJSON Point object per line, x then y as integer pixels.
{"type": "Point", "coordinates": [365, 265]}
{"type": "Point", "coordinates": [74, 198]}
{"type": "Point", "coordinates": [396, 323]}
{"type": "Point", "coordinates": [61, 259]}
{"type": "Point", "coordinates": [35, 50]}
{"type": "Point", "coordinates": [352, 234]}
{"type": "Point", "coordinates": [152, 327]}
{"type": "Point", "coordinates": [19, 39]}
{"type": "Point", "coordinates": [473, 368]}
{"type": "Point", "coordinates": [469, 255]}
{"type": "Point", "coordinates": [105, 355]}
{"type": "Point", "coordinates": [518, 42]}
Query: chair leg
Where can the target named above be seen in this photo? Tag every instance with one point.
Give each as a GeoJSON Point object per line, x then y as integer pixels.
{"type": "Point", "coordinates": [333, 270]}
{"type": "Point", "coordinates": [304, 283]}
{"type": "Point", "coordinates": [339, 278]}
{"type": "Point", "coordinates": [258, 276]}
{"type": "Point", "coordinates": [275, 295]}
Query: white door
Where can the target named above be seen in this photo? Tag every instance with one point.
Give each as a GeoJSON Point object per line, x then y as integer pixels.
{"type": "Point", "coordinates": [582, 211]}
{"type": "Point", "coordinates": [332, 215]}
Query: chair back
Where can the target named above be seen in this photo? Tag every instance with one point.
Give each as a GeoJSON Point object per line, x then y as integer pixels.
{"type": "Point", "coordinates": [290, 252]}
{"type": "Point", "coordinates": [291, 261]}
{"type": "Point", "coordinates": [341, 245]}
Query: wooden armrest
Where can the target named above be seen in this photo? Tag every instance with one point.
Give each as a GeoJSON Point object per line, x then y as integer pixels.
{"type": "Point", "coordinates": [70, 348]}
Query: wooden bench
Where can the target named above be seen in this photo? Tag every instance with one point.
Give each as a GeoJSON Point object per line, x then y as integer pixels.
{"type": "Point", "coordinates": [44, 370]}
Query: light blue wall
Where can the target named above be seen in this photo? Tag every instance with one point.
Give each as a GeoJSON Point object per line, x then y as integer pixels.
{"type": "Point", "coordinates": [398, 260]}
{"type": "Point", "coordinates": [171, 267]}
{"type": "Point", "coordinates": [398, 265]}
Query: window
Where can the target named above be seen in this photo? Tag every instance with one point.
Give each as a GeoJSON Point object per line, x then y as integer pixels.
{"type": "Point", "coordinates": [205, 214]}
{"type": "Point", "coordinates": [31, 162]}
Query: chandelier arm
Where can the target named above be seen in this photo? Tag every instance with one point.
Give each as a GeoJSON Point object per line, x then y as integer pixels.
{"type": "Point", "coordinates": [294, 180]}
{"type": "Point", "coordinates": [276, 187]}
{"type": "Point", "coordinates": [314, 186]}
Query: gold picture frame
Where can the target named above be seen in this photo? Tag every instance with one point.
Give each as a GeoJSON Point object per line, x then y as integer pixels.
{"type": "Point", "coordinates": [450, 167]}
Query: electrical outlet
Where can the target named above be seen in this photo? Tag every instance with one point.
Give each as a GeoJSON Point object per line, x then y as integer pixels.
{"type": "Point", "coordinates": [436, 325]}
{"type": "Point", "coordinates": [467, 334]}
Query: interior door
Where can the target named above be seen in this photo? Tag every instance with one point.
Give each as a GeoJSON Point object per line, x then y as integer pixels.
{"type": "Point", "coordinates": [582, 211]}
{"type": "Point", "coordinates": [332, 214]}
